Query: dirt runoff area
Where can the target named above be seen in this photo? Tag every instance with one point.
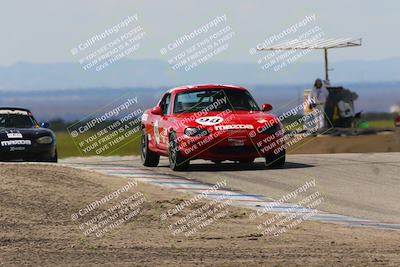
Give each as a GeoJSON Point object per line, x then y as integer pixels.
{"type": "Point", "coordinates": [57, 216]}
{"type": "Point", "coordinates": [348, 144]}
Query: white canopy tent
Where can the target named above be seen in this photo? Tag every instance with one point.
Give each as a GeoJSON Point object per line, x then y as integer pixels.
{"type": "Point", "coordinates": [306, 44]}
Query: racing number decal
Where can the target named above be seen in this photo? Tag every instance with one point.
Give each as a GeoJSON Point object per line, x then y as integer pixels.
{"type": "Point", "coordinates": [208, 121]}
{"type": "Point", "coordinates": [13, 134]}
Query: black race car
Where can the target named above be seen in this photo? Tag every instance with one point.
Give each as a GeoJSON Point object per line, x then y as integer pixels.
{"type": "Point", "coordinates": [23, 139]}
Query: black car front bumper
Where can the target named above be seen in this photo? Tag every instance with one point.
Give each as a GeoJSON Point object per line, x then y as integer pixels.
{"type": "Point", "coordinates": [34, 152]}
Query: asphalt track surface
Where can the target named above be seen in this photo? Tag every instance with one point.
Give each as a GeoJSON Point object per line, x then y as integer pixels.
{"type": "Point", "coordinates": [363, 186]}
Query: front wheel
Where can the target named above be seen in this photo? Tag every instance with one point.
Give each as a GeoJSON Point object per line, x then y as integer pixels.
{"type": "Point", "coordinates": [276, 160]}
{"type": "Point", "coordinates": [54, 159]}
{"type": "Point", "coordinates": [148, 157]}
{"type": "Point", "coordinates": [176, 161]}
{"type": "Point", "coordinates": [51, 159]}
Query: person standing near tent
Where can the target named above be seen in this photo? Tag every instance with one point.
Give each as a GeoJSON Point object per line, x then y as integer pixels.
{"type": "Point", "coordinates": [317, 98]}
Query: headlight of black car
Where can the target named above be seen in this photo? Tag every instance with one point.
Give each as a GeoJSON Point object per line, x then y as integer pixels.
{"type": "Point", "coordinates": [194, 131]}
{"type": "Point", "coordinates": [44, 140]}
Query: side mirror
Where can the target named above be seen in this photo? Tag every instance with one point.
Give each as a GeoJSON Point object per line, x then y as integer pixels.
{"type": "Point", "coordinates": [266, 107]}
{"type": "Point", "coordinates": [44, 125]}
{"type": "Point", "coordinates": [156, 111]}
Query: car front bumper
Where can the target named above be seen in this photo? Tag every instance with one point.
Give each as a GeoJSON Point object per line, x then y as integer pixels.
{"type": "Point", "coordinates": [230, 145]}
{"type": "Point", "coordinates": [35, 152]}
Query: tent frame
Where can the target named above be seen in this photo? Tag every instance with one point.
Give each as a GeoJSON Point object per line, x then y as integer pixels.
{"type": "Point", "coordinates": [323, 44]}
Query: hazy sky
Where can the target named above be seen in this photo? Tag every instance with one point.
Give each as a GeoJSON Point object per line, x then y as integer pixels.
{"type": "Point", "coordinates": [45, 31]}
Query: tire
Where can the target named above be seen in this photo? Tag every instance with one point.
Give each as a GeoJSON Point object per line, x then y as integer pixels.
{"type": "Point", "coordinates": [246, 161]}
{"type": "Point", "coordinates": [148, 157]}
{"type": "Point", "coordinates": [276, 160]}
{"type": "Point", "coordinates": [54, 159]}
{"type": "Point", "coordinates": [176, 161]}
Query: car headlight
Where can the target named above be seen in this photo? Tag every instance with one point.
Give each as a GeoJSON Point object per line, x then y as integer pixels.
{"type": "Point", "coordinates": [44, 140]}
{"type": "Point", "coordinates": [194, 131]}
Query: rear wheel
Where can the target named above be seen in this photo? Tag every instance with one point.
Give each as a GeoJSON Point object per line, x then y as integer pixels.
{"type": "Point", "coordinates": [276, 160]}
{"type": "Point", "coordinates": [148, 157]}
{"type": "Point", "coordinates": [176, 161]}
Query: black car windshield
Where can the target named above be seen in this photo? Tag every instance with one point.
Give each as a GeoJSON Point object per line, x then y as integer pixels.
{"type": "Point", "coordinates": [214, 100]}
{"type": "Point", "coordinates": [17, 121]}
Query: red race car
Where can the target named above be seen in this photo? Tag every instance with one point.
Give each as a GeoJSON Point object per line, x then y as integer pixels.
{"type": "Point", "coordinates": [397, 121]}
{"type": "Point", "coordinates": [211, 122]}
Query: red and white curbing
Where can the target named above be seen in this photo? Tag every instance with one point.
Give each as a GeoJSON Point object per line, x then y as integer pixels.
{"type": "Point", "coordinates": [239, 199]}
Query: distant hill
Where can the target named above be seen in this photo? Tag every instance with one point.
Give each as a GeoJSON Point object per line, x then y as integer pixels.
{"type": "Point", "coordinates": [72, 104]}
{"type": "Point", "coordinates": [154, 73]}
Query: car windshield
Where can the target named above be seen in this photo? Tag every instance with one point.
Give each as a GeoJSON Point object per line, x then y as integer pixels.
{"type": "Point", "coordinates": [16, 121]}
{"type": "Point", "coordinates": [214, 100]}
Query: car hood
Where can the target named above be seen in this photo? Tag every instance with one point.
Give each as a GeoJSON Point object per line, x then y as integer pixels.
{"type": "Point", "coordinates": [227, 118]}
{"type": "Point", "coordinates": [25, 133]}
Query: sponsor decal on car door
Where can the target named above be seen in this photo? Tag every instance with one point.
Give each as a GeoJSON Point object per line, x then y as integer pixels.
{"type": "Point", "coordinates": [156, 132]}
{"type": "Point", "coordinates": [163, 132]}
